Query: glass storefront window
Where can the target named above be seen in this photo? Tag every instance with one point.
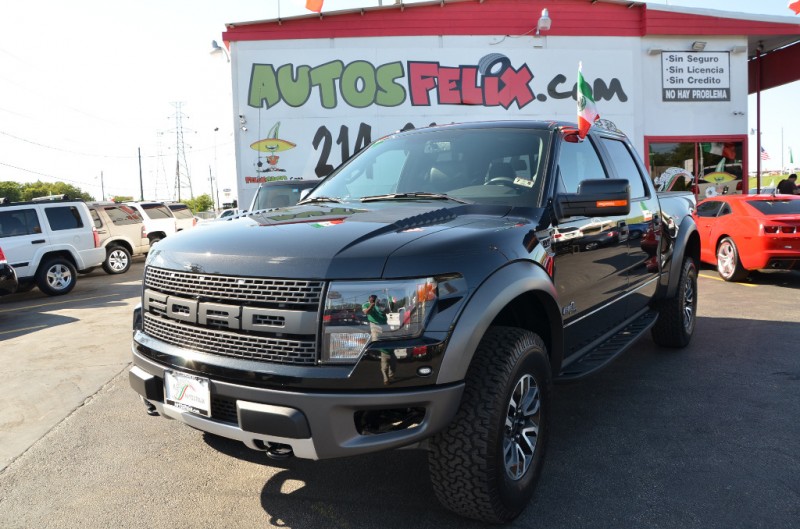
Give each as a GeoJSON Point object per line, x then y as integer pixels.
{"type": "Point", "coordinates": [708, 168]}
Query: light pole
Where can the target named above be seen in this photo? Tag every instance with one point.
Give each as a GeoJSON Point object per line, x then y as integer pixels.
{"type": "Point", "coordinates": [216, 174]}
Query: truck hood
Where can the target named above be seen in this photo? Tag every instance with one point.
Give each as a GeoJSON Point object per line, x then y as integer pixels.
{"type": "Point", "coordinates": [317, 242]}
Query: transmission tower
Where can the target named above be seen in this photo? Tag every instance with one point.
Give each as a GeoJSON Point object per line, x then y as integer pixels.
{"type": "Point", "coordinates": [182, 177]}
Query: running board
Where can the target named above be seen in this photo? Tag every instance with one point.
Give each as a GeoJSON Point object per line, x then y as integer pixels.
{"type": "Point", "coordinates": [606, 351]}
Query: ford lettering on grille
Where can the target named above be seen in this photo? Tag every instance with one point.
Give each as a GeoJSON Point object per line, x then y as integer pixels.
{"type": "Point", "coordinates": [229, 316]}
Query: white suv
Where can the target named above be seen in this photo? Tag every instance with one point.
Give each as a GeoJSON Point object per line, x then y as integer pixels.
{"type": "Point", "coordinates": [159, 221]}
{"type": "Point", "coordinates": [184, 218]}
{"type": "Point", "coordinates": [48, 241]}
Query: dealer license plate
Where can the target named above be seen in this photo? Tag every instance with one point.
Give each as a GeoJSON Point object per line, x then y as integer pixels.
{"type": "Point", "coordinates": [188, 392]}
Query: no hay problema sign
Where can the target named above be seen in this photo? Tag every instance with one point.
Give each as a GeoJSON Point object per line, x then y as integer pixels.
{"type": "Point", "coordinates": [695, 76]}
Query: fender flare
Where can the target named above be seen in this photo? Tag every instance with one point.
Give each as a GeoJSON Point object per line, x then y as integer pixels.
{"type": "Point", "coordinates": [687, 229]}
{"type": "Point", "coordinates": [491, 297]}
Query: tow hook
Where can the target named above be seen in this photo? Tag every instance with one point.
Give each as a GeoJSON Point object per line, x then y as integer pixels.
{"type": "Point", "coordinates": [279, 451]}
{"type": "Point", "coordinates": [150, 407]}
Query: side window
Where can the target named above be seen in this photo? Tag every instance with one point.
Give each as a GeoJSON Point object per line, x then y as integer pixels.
{"type": "Point", "coordinates": [19, 222]}
{"type": "Point", "coordinates": [726, 210]}
{"type": "Point", "coordinates": [63, 218]}
{"type": "Point", "coordinates": [625, 165]}
{"type": "Point", "coordinates": [157, 211]}
{"type": "Point", "coordinates": [708, 209]}
{"type": "Point", "coordinates": [123, 215]}
{"type": "Point", "coordinates": [578, 161]}
{"type": "Point", "coordinates": [96, 218]}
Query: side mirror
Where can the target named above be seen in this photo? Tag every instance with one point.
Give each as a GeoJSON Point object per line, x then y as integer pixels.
{"type": "Point", "coordinates": [596, 198]}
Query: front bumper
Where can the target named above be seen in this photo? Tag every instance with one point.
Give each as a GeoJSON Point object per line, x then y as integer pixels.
{"type": "Point", "coordinates": [315, 424]}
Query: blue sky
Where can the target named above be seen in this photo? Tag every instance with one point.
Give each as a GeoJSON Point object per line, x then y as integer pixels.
{"type": "Point", "coordinates": [83, 84]}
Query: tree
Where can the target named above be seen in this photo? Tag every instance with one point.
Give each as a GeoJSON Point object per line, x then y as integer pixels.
{"type": "Point", "coordinates": [119, 198]}
{"type": "Point", "coordinates": [43, 189]}
{"type": "Point", "coordinates": [11, 191]}
{"type": "Point", "coordinates": [199, 203]}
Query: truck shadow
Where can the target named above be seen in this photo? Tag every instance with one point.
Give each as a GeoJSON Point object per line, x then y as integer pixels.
{"type": "Point", "coordinates": [387, 490]}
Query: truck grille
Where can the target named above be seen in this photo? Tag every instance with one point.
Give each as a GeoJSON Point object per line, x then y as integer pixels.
{"type": "Point", "coordinates": [229, 288]}
{"type": "Point", "coordinates": [208, 314]}
{"type": "Point", "coordinates": [227, 343]}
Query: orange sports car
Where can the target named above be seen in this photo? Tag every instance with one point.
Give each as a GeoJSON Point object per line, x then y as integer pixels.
{"type": "Point", "coordinates": [740, 233]}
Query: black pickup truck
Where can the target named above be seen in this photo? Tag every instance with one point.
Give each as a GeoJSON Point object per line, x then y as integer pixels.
{"type": "Point", "coordinates": [426, 294]}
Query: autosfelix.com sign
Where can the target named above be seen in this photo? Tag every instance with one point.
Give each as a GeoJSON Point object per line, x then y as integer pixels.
{"type": "Point", "coordinates": [695, 76]}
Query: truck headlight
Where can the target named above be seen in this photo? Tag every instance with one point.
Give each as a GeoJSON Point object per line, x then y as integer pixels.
{"type": "Point", "coordinates": [351, 320]}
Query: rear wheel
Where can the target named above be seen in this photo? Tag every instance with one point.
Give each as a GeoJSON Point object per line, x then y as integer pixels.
{"type": "Point", "coordinates": [486, 463]}
{"type": "Point", "coordinates": [56, 276]}
{"type": "Point", "coordinates": [677, 315]}
{"type": "Point", "coordinates": [729, 265]}
{"type": "Point", "coordinates": [118, 260]}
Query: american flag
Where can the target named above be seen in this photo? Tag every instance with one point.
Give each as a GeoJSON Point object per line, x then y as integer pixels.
{"type": "Point", "coordinates": [764, 154]}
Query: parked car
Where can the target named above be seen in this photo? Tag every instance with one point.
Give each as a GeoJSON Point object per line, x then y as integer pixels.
{"type": "Point", "coordinates": [184, 218]}
{"type": "Point", "coordinates": [122, 234]}
{"type": "Point", "coordinates": [159, 221]}
{"type": "Point", "coordinates": [8, 277]}
{"type": "Point", "coordinates": [280, 193]}
{"type": "Point", "coordinates": [741, 233]}
{"type": "Point", "coordinates": [225, 213]}
{"type": "Point", "coordinates": [48, 241]}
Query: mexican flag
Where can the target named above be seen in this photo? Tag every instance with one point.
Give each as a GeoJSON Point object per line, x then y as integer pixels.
{"type": "Point", "coordinates": [726, 150]}
{"type": "Point", "coordinates": [314, 5]}
{"type": "Point", "coordinates": [587, 111]}
{"type": "Point", "coordinates": [794, 5]}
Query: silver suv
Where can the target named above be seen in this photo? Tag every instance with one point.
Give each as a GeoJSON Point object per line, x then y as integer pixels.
{"type": "Point", "coordinates": [48, 241]}
{"type": "Point", "coordinates": [122, 234]}
{"type": "Point", "coordinates": [159, 222]}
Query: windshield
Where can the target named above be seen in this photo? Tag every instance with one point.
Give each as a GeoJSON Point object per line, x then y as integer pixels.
{"type": "Point", "coordinates": [279, 196]}
{"type": "Point", "coordinates": [480, 165]}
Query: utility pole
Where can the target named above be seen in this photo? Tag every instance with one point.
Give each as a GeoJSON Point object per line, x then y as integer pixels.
{"type": "Point", "coordinates": [102, 188]}
{"type": "Point", "coordinates": [216, 172]}
{"type": "Point", "coordinates": [141, 185]}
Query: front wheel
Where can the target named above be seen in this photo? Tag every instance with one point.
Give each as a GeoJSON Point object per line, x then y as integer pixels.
{"type": "Point", "coordinates": [677, 315]}
{"type": "Point", "coordinates": [486, 463]}
{"type": "Point", "coordinates": [118, 260]}
{"type": "Point", "coordinates": [56, 276]}
{"type": "Point", "coordinates": [729, 265]}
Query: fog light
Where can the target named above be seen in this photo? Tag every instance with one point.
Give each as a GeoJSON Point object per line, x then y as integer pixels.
{"type": "Point", "coordinates": [424, 371]}
{"type": "Point", "coordinates": [345, 346]}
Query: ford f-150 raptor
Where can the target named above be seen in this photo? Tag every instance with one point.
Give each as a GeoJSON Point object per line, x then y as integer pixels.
{"type": "Point", "coordinates": [426, 294]}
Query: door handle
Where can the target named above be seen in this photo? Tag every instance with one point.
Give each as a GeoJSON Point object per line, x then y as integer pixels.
{"type": "Point", "coordinates": [38, 241]}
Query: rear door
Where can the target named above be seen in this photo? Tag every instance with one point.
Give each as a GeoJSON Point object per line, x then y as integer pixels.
{"type": "Point", "coordinates": [22, 237]}
{"type": "Point", "coordinates": [638, 227]}
{"type": "Point", "coordinates": [591, 255]}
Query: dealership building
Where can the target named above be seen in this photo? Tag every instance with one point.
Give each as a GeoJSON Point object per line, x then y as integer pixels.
{"type": "Point", "coordinates": [676, 80]}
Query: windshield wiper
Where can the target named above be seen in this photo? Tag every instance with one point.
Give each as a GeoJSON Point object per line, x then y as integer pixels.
{"type": "Point", "coordinates": [416, 195]}
{"type": "Point", "coordinates": [313, 200]}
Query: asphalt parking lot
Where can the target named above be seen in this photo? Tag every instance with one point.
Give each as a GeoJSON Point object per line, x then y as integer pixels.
{"type": "Point", "coordinates": [704, 437]}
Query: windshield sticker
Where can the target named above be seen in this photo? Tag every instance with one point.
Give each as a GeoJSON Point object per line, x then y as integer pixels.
{"type": "Point", "coordinates": [523, 182]}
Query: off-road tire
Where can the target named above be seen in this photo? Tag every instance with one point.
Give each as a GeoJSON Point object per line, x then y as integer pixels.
{"type": "Point", "coordinates": [118, 260]}
{"type": "Point", "coordinates": [56, 276]}
{"type": "Point", "coordinates": [677, 315]}
{"type": "Point", "coordinates": [469, 472]}
{"type": "Point", "coordinates": [729, 266]}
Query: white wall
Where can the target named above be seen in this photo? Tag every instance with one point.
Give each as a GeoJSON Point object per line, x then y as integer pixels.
{"type": "Point", "coordinates": [637, 108]}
